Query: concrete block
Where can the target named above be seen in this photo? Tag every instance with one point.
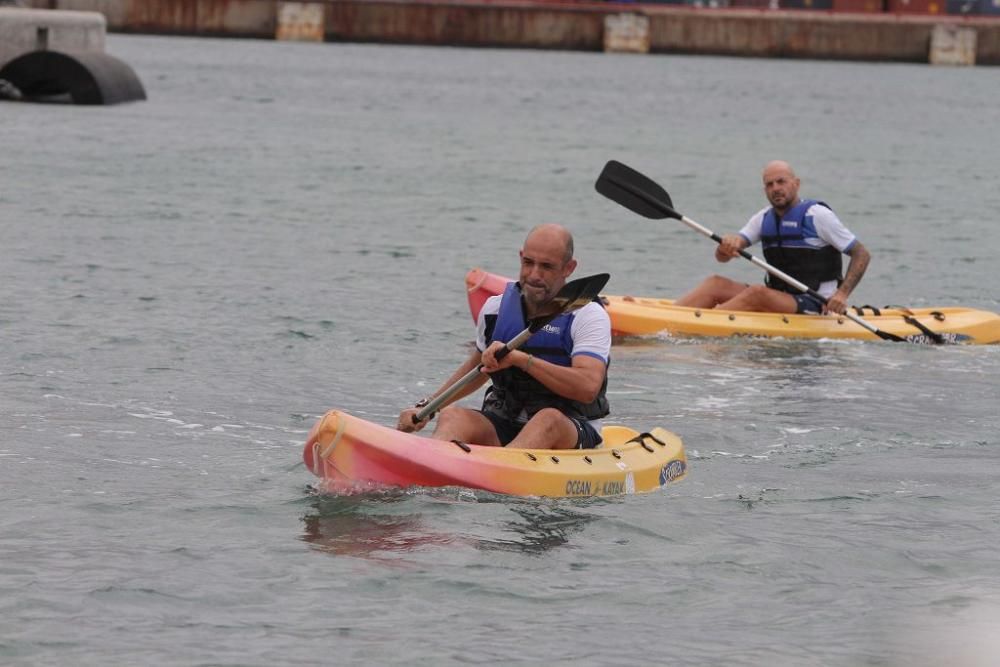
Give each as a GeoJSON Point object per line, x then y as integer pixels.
{"type": "Point", "coordinates": [626, 33]}
{"type": "Point", "coordinates": [300, 21]}
{"type": "Point", "coordinates": [24, 30]}
{"type": "Point", "coordinates": [952, 45]}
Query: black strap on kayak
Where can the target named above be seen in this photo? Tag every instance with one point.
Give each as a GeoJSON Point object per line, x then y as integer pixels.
{"type": "Point", "coordinates": [910, 319]}
{"type": "Point", "coordinates": [860, 310]}
{"type": "Point", "coordinates": [464, 447]}
{"type": "Point", "coordinates": [936, 314]}
{"type": "Point", "coordinates": [641, 439]}
{"type": "Point", "coordinates": [934, 336]}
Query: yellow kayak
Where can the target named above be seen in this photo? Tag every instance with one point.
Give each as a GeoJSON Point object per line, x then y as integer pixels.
{"type": "Point", "coordinates": [643, 316]}
{"type": "Point", "coordinates": [350, 454]}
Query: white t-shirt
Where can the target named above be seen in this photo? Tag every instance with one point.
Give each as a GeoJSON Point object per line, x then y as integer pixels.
{"type": "Point", "coordinates": [826, 229]}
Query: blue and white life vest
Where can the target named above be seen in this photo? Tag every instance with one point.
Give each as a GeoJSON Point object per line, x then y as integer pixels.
{"type": "Point", "coordinates": [514, 390]}
{"type": "Point", "coordinates": [787, 247]}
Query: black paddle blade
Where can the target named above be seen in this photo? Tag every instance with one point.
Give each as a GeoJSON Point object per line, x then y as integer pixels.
{"type": "Point", "coordinates": [635, 192]}
{"type": "Point", "coordinates": [885, 335]}
{"type": "Point", "coordinates": [574, 294]}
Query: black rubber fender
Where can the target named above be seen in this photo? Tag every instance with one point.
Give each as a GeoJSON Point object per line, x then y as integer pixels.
{"type": "Point", "coordinates": [80, 77]}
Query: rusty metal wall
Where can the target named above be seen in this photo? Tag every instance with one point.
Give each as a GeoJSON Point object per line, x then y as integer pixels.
{"type": "Point", "coordinates": [790, 34]}
{"type": "Point", "coordinates": [988, 43]}
{"type": "Point", "coordinates": [237, 18]}
{"type": "Point", "coordinates": [473, 24]}
{"type": "Point", "coordinates": [673, 29]}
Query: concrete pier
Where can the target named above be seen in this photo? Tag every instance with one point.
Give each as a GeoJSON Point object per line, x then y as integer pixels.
{"type": "Point", "coordinates": [58, 56]}
{"type": "Point", "coordinates": [806, 34]}
{"type": "Point", "coordinates": [794, 33]}
{"type": "Point", "coordinates": [25, 30]}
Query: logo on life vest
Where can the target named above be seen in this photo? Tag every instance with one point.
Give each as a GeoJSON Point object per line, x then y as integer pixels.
{"type": "Point", "coordinates": [548, 328]}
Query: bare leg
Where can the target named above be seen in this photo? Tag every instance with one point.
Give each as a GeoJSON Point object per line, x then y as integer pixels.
{"type": "Point", "coordinates": [548, 429]}
{"type": "Point", "coordinates": [761, 299]}
{"type": "Point", "coordinates": [711, 292]}
{"type": "Point", "coordinates": [465, 425]}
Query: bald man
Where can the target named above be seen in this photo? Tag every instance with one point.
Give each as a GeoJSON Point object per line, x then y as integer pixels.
{"type": "Point", "coordinates": [550, 393]}
{"type": "Point", "coordinates": [802, 238]}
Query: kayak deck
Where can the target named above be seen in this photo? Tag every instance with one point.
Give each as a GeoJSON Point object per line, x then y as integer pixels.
{"type": "Point", "coordinates": [641, 316]}
{"type": "Point", "coordinates": [349, 454]}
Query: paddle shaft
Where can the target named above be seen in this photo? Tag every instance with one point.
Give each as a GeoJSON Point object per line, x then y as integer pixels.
{"type": "Point", "coordinates": [469, 377]}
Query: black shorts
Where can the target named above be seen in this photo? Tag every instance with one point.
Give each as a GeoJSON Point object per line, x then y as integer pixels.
{"type": "Point", "coordinates": [807, 304]}
{"type": "Point", "coordinates": [586, 436]}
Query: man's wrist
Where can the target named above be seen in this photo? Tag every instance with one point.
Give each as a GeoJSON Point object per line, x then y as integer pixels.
{"type": "Point", "coordinates": [422, 403]}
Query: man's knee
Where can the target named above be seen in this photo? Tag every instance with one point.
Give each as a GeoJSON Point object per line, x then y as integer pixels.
{"type": "Point", "coordinates": [448, 416]}
{"type": "Point", "coordinates": [716, 280]}
{"type": "Point", "coordinates": [755, 296]}
{"type": "Point", "coordinates": [548, 429]}
{"type": "Point", "coordinates": [756, 292]}
{"type": "Point", "coordinates": [453, 419]}
{"type": "Point", "coordinates": [764, 299]}
{"type": "Point", "coordinates": [555, 422]}
{"type": "Point", "coordinates": [550, 416]}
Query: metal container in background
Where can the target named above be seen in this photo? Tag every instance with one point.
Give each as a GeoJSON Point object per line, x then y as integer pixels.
{"type": "Point", "coordinates": [821, 5]}
{"type": "Point", "coordinates": [859, 6]}
{"type": "Point", "coordinates": [916, 6]}
{"type": "Point", "coordinates": [989, 7]}
{"type": "Point", "coordinates": [962, 7]}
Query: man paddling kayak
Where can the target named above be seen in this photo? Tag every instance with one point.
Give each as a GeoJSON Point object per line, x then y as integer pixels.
{"type": "Point", "coordinates": [550, 393]}
{"type": "Point", "coordinates": [802, 238]}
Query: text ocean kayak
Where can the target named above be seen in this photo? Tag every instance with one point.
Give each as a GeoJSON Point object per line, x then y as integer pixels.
{"type": "Point", "coordinates": [643, 316]}
{"type": "Point", "coordinates": [351, 454]}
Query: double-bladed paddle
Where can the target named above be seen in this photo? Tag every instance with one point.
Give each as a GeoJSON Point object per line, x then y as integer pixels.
{"type": "Point", "coordinates": [573, 295]}
{"type": "Point", "coordinates": [642, 195]}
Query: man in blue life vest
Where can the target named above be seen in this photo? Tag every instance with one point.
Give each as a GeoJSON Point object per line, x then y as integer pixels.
{"type": "Point", "coordinates": [548, 394]}
{"type": "Point", "coordinates": [802, 238]}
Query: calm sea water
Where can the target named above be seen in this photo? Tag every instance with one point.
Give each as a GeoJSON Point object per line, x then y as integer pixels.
{"type": "Point", "coordinates": [189, 282]}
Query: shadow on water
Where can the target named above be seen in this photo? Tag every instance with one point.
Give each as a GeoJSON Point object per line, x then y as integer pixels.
{"type": "Point", "coordinates": [749, 350]}
{"type": "Point", "coordinates": [538, 528]}
{"type": "Point", "coordinates": [367, 526]}
{"type": "Point", "coordinates": [798, 360]}
{"type": "Point", "coordinates": [378, 525]}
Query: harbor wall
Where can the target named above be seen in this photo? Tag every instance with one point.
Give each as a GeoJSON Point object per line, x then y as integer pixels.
{"type": "Point", "coordinates": [757, 32]}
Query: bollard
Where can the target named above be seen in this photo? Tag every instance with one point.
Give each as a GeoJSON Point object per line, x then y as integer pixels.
{"type": "Point", "coordinates": [300, 21]}
{"type": "Point", "coordinates": [952, 45]}
{"type": "Point", "coordinates": [626, 33]}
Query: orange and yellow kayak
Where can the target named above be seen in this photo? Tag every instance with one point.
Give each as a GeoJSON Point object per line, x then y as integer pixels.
{"type": "Point", "coordinates": [350, 454]}
{"type": "Point", "coordinates": [638, 316]}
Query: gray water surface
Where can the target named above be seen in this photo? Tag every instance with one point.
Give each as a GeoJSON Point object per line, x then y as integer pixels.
{"type": "Point", "coordinates": [281, 229]}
